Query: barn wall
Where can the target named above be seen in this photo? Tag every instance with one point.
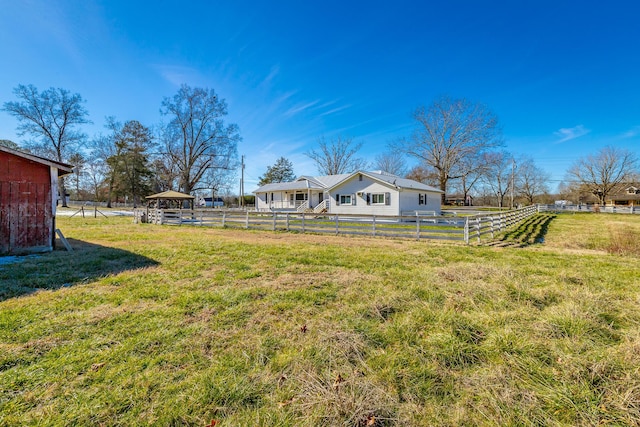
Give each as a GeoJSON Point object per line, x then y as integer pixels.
{"type": "Point", "coordinates": [26, 218]}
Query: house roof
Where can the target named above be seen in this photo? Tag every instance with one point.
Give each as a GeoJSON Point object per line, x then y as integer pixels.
{"type": "Point", "coordinates": [289, 186]}
{"type": "Point", "coordinates": [171, 195]}
{"type": "Point", "coordinates": [327, 182]}
{"type": "Point", "coordinates": [401, 182]}
{"type": "Point", "coordinates": [63, 168]}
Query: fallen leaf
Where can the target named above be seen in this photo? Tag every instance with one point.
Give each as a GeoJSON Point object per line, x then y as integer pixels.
{"type": "Point", "coordinates": [286, 402]}
{"type": "Point", "coordinates": [97, 366]}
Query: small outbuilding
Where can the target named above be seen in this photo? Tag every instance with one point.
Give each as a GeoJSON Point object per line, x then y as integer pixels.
{"type": "Point", "coordinates": [169, 200]}
{"type": "Point", "coordinates": [28, 198]}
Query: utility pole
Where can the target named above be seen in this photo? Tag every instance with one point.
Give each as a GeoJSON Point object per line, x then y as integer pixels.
{"type": "Point", "coordinates": [242, 181]}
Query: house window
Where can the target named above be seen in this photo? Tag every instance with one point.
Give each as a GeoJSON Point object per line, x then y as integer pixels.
{"type": "Point", "coordinates": [302, 197]}
{"type": "Point", "coordinates": [345, 199]}
{"type": "Point", "coordinates": [377, 198]}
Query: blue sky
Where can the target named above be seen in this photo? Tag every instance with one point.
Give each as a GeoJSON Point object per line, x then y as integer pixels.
{"type": "Point", "coordinates": [562, 76]}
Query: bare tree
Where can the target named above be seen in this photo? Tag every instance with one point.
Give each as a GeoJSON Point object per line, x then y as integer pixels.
{"type": "Point", "coordinates": [449, 132]}
{"type": "Point", "coordinates": [95, 173]}
{"type": "Point", "coordinates": [531, 181]}
{"type": "Point", "coordinates": [337, 156]}
{"type": "Point", "coordinates": [165, 174]}
{"type": "Point", "coordinates": [392, 161]}
{"type": "Point", "coordinates": [9, 144]}
{"type": "Point", "coordinates": [605, 171]}
{"type": "Point", "coordinates": [51, 117]}
{"type": "Point", "coordinates": [498, 177]}
{"type": "Point", "coordinates": [197, 138]}
{"type": "Point", "coordinates": [475, 169]}
{"type": "Point", "coordinates": [78, 161]}
{"type": "Point", "coordinates": [423, 174]}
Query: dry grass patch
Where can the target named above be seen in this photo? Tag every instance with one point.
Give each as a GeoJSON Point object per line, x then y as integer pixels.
{"type": "Point", "coordinates": [182, 325]}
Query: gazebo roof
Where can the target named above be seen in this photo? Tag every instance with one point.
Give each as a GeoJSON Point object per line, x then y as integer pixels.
{"type": "Point", "coordinates": [171, 195]}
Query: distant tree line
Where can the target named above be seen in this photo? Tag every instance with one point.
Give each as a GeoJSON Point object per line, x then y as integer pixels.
{"type": "Point", "coordinates": [456, 145]}
{"type": "Point", "coordinates": [194, 151]}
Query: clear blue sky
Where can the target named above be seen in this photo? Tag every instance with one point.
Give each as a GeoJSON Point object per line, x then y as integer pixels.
{"type": "Point", "coordinates": [562, 76]}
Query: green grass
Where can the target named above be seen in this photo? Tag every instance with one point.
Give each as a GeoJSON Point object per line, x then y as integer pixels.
{"type": "Point", "coordinates": [160, 325]}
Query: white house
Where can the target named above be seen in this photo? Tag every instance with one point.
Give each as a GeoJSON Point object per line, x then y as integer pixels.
{"type": "Point", "coordinates": [363, 193]}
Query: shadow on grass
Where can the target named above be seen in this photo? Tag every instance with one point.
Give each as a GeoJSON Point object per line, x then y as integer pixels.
{"type": "Point", "coordinates": [532, 231]}
{"type": "Point", "coordinates": [58, 269]}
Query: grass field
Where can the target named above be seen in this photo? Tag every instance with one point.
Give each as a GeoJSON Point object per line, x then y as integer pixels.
{"type": "Point", "coordinates": [161, 325]}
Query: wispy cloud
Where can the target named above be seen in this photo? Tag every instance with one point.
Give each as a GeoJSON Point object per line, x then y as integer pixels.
{"type": "Point", "coordinates": [335, 110]}
{"type": "Point", "coordinates": [177, 74]}
{"type": "Point", "coordinates": [567, 134]}
{"type": "Point", "coordinates": [300, 107]}
{"type": "Point", "coordinates": [275, 70]}
{"type": "Point", "coordinates": [634, 131]}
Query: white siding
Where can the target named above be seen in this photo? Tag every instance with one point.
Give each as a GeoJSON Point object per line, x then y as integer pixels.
{"type": "Point", "coordinates": [271, 200]}
{"type": "Point", "coordinates": [410, 201]}
{"type": "Point", "coordinates": [367, 185]}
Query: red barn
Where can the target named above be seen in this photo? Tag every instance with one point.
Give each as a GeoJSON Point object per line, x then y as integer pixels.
{"type": "Point", "coordinates": [28, 195]}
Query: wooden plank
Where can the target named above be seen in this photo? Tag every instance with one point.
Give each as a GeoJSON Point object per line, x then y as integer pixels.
{"type": "Point", "coordinates": [63, 240]}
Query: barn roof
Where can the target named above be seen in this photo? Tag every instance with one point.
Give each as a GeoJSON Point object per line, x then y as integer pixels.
{"type": "Point", "coordinates": [63, 168]}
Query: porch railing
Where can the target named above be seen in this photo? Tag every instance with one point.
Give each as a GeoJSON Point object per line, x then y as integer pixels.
{"type": "Point", "coordinates": [322, 206]}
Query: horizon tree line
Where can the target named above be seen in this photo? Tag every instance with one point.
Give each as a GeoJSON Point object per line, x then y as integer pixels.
{"type": "Point", "coordinates": [457, 144]}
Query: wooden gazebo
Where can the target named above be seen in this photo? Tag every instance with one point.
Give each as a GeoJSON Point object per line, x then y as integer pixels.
{"type": "Point", "coordinates": [169, 200]}
{"type": "Point", "coordinates": [168, 203]}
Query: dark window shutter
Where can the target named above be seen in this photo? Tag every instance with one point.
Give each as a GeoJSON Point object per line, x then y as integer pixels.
{"type": "Point", "coordinates": [387, 199]}
{"type": "Point", "coordinates": [425, 199]}
{"type": "Point", "coordinates": [337, 200]}
{"type": "Point", "coordinates": [353, 199]}
{"type": "Point", "coordinates": [420, 199]}
{"type": "Point", "coordinates": [368, 198]}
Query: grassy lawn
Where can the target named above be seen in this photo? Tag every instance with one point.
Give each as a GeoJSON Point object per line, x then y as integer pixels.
{"type": "Point", "coordinates": [166, 325]}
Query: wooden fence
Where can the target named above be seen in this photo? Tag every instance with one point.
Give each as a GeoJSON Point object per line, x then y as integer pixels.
{"type": "Point", "coordinates": [590, 208]}
{"type": "Point", "coordinates": [453, 228]}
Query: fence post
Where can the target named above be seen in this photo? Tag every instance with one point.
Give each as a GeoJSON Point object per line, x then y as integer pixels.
{"type": "Point", "coordinates": [274, 221]}
{"type": "Point", "coordinates": [287, 221]}
{"type": "Point", "coordinates": [246, 221]}
{"type": "Point", "coordinates": [466, 230]}
{"type": "Point", "coordinates": [492, 219]}
{"type": "Point", "coordinates": [417, 227]}
{"type": "Point", "coordinates": [373, 224]}
{"type": "Point", "coordinates": [337, 225]}
{"type": "Point", "coordinates": [478, 223]}
{"type": "Point", "coordinates": [224, 219]}
{"type": "Point", "coordinates": [180, 217]}
{"type": "Point", "coordinates": [303, 222]}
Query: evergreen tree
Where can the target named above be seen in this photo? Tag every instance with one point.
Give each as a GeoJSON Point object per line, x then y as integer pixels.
{"type": "Point", "coordinates": [129, 168]}
{"type": "Point", "coordinates": [281, 171]}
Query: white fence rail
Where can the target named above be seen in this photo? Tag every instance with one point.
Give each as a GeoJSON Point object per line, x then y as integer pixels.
{"type": "Point", "coordinates": [590, 208]}
{"type": "Point", "coordinates": [414, 226]}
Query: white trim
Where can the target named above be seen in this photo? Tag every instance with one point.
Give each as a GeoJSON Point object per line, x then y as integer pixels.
{"type": "Point", "coordinates": [378, 194]}
{"type": "Point", "coordinates": [54, 189]}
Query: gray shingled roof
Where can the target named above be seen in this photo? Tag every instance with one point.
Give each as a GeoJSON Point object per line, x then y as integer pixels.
{"type": "Point", "coordinates": [331, 181]}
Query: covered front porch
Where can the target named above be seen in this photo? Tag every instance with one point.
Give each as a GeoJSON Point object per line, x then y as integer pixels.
{"type": "Point", "coordinates": [308, 200]}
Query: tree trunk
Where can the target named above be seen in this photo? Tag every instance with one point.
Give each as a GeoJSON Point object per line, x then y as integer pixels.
{"type": "Point", "coordinates": [443, 187]}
